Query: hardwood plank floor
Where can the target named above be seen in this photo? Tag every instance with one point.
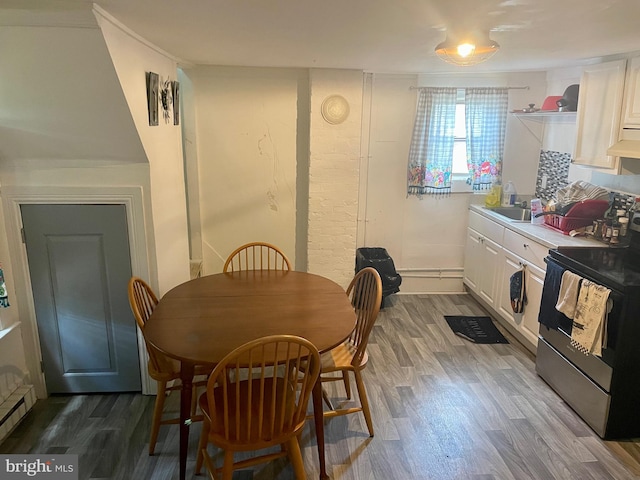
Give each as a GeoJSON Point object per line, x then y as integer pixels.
{"type": "Point", "coordinates": [443, 408]}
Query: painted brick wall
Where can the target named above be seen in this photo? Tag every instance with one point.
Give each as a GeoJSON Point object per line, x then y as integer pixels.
{"type": "Point", "coordinates": [334, 176]}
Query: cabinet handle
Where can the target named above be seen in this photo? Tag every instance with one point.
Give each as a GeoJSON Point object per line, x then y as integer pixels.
{"type": "Point", "coordinates": [525, 245]}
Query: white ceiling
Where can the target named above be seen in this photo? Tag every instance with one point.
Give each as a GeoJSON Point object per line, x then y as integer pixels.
{"type": "Point", "coordinates": [395, 36]}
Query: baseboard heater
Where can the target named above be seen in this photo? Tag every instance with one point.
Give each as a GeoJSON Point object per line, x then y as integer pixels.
{"type": "Point", "coordinates": [14, 408]}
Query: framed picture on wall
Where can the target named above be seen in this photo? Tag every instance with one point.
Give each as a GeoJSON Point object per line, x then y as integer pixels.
{"type": "Point", "coordinates": [152, 97]}
{"type": "Point", "coordinates": [175, 90]}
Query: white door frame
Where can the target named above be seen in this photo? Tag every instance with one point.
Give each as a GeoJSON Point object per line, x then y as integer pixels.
{"type": "Point", "coordinates": [13, 197]}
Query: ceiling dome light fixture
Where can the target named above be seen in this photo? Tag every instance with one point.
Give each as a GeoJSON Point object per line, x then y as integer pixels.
{"type": "Point", "coordinates": [467, 50]}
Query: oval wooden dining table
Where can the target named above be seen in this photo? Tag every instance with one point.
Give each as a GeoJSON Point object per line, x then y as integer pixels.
{"type": "Point", "coordinates": [202, 320]}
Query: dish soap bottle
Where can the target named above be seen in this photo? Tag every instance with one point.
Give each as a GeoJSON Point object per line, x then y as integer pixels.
{"type": "Point", "coordinates": [494, 197]}
{"type": "Point", "coordinates": [509, 195]}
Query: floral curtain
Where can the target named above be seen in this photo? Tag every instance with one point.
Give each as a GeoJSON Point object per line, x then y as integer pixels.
{"type": "Point", "coordinates": [431, 151]}
{"type": "Point", "coordinates": [486, 117]}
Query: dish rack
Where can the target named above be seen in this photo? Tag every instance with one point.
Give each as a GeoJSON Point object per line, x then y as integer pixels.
{"type": "Point", "coordinates": [579, 215]}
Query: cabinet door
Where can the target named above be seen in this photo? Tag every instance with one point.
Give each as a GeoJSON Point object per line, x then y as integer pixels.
{"type": "Point", "coordinates": [599, 112]}
{"type": "Point", "coordinates": [490, 266]}
{"type": "Point", "coordinates": [632, 95]}
{"type": "Point", "coordinates": [510, 265]}
{"type": "Point", "coordinates": [534, 283]}
{"type": "Point", "coordinates": [481, 265]}
{"type": "Point", "coordinates": [472, 259]}
{"type": "Point", "coordinates": [526, 323]}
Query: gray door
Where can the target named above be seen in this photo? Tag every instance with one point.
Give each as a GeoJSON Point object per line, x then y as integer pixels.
{"type": "Point", "coordinates": [79, 265]}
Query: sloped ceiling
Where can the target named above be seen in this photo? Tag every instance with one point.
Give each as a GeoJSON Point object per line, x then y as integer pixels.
{"type": "Point", "coordinates": [60, 98]}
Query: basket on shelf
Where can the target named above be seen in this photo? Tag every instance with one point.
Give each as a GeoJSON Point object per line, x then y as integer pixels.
{"type": "Point", "coordinates": [579, 215]}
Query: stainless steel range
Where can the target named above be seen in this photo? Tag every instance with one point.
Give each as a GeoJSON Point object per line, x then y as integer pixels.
{"type": "Point", "coordinates": [603, 389]}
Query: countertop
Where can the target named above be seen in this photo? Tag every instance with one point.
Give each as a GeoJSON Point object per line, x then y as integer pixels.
{"type": "Point", "coordinates": [542, 234]}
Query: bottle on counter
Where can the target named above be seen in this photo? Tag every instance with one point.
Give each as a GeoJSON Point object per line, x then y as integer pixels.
{"type": "Point", "coordinates": [624, 236]}
{"type": "Point", "coordinates": [615, 229]}
{"type": "Point", "coordinates": [624, 226]}
{"type": "Point", "coordinates": [509, 194]}
{"type": "Point", "coordinates": [607, 229]}
{"type": "Point", "coordinates": [494, 197]}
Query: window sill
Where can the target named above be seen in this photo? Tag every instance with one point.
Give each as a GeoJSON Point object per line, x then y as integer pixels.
{"type": "Point", "coordinates": [459, 184]}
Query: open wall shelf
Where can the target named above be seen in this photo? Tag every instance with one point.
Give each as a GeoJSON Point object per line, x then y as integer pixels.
{"type": "Point", "coordinates": [544, 117]}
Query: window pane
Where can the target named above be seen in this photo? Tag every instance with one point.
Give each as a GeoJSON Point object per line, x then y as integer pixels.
{"type": "Point", "coordinates": [460, 129]}
{"type": "Point", "coordinates": [460, 144]}
{"type": "Point", "coordinates": [460, 157]}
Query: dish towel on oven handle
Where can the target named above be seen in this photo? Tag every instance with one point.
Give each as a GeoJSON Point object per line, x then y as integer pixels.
{"type": "Point", "coordinates": [517, 290]}
{"type": "Point", "coordinates": [548, 315]}
{"type": "Point", "coordinates": [568, 295]}
{"type": "Point", "coordinates": [589, 321]}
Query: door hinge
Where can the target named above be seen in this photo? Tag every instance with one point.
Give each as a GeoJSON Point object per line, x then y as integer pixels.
{"type": "Point", "coordinates": [24, 239]}
{"type": "Point", "coordinates": [41, 366]}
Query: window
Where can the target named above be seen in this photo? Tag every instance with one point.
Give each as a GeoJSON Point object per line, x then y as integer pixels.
{"type": "Point", "coordinates": [457, 132]}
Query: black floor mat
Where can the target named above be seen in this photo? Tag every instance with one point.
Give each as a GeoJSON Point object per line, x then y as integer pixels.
{"type": "Point", "coordinates": [475, 329]}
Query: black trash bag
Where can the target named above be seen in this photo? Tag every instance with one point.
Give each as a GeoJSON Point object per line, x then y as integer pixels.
{"type": "Point", "coordinates": [378, 258]}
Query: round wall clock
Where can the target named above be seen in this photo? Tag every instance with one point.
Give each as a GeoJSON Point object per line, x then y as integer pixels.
{"type": "Point", "coordinates": [335, 109]}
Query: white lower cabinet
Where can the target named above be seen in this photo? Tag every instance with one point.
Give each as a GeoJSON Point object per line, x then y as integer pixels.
{"type": "Point", "coordinates": [481, 272]}
{"type": "Point", "coordinates": [482, 257]}
{"type": "Point", "coordinates": [493, 253]}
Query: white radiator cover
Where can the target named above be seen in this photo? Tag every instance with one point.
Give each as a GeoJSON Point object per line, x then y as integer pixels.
{"type": "Point", "coordinates": [17, 396]}
{"type": "Point", "coordinates": [14, 408]}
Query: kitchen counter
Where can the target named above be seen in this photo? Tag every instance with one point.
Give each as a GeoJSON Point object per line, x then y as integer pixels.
{"type": "Point", "coordinates": [496, 248]}
{"type": "Point", "coordinates": [539, 233]}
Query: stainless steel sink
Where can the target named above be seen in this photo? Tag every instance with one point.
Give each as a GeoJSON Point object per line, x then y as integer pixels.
{"type": "Point", "coordinates": [513, 213]}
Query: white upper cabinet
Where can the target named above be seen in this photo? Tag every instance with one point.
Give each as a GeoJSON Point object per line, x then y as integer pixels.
{"type": "Point", "coordinates": [631, 117]}
{"type": "Point", "coordinates": [599, 113]}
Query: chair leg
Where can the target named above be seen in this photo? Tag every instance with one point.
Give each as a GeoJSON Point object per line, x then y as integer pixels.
{"type": "Point", "coordinates": [295, 456]}
{"type": "Point", "coordinates": [210, 466]}
{"type": "Point", "coordinates": [362, 393]}
{"type": "Point", "coordinates": [157, 415]}
{"type": "Point", "coordinates": [327, 400]}
{"type": "Point", "coordinates": [202, 444]}
{"type": "Point", "coordinates": [227, 467]}
{"type": "Point", "coordinates": [347, 383]}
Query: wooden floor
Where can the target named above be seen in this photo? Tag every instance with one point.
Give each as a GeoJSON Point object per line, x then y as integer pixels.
{"type": "Point", "coordinates": [443, 408]}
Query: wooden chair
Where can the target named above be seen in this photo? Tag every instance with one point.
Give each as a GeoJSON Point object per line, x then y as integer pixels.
{"type": "Point", "coordinates": [252, 405]}
{"type": "Point", "coordinates": [365, 291]}
{"type": "Point", "coordinates": [161, 368]}
{"type": "Point", "coordinates": [257, 256]}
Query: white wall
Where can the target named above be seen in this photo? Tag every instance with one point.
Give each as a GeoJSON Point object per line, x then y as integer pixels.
{"type": "Point", "coordinates": [426, 236]}
{"type": "Point", "coordinates": [191, 169]}
{"type": "Point", "coordinates": [169, 245]}
{"type": "Point", "coordinates": [238, 107]}
{"type": "Point", "coordinates": [334, 176]}
{"type": "Point", "coordinates": [246, 132]}
{"type": "Point", "coordinates": [560, 134]}
{"type": "Point", "coordinates": [256, 155]}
